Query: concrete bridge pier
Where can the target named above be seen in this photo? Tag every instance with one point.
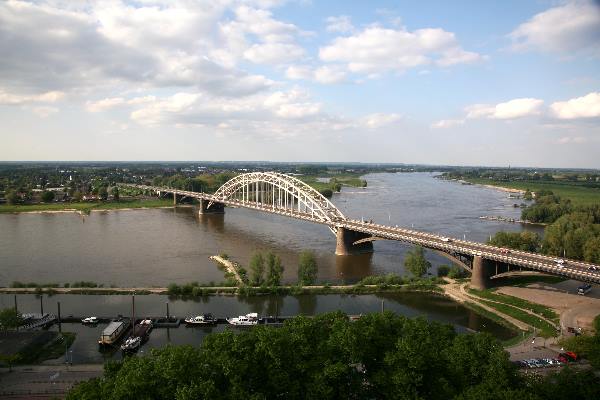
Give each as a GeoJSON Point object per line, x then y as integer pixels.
{"type": "Point", "coordinates": [345, 242]}
{"type": "Point", "coordinates": [481, 272]}
{"type": "Point", "coordinates": [215, 208]}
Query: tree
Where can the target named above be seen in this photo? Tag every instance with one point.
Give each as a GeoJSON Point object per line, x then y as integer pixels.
{"type": "Point", "coordinates": [379, 356]}
{"type": "Point", "coordinates": [10, 319]}
{"type": "Point", "coordinates": [307, 268]}
{"type": "Point", "coordinates": [115, 193]}
{"type": "Point", "coordinates": [416, 263]}
{"type": "Point", "coordinates": [12, 197]}
{"type": "Point", "coordinates": [274, 269]}
{"type": "Point", "coordinates": [103, 193]}
{"type": "Point", "coordinates": [257, 269]}
{"type": "Point", "coordinates": [77, 196]}
{"type": "Point", "coordinates": [47, 196]}
{"type": "Point", "coordinates": [526, 241]}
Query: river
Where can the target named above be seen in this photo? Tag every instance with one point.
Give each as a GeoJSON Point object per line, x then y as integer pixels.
{"type": "Point", "coordinates": [159, 246]}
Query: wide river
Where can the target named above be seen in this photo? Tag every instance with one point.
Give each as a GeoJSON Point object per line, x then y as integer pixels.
{"type": "Point", "coordinates": [158, 246]}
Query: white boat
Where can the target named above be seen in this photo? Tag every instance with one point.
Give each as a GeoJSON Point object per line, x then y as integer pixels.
{"type": "Point", "coordinates": [204, 319]}
{"type": "Point", "coordinates": [90, 320]}
{"type": "Point", "coordinates": [244, 320]}
{"type": "Point", "coordinates": [132, 343]}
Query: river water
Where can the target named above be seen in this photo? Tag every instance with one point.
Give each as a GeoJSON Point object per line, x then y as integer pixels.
{"type": "Point", "coordinates": [159, 246]}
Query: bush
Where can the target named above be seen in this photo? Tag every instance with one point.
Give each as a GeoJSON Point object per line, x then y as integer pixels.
{"type": "Point", "coordinates": [443, 270]}
{"type": "Point", "coordinates": [457, 272]}
{"type": "Point", "coordinates": [174, 289]}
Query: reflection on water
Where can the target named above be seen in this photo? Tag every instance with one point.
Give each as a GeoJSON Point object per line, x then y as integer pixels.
{"type": "Point", "coordinates": [85, 347]}
{"type": "Point", "coordinates": [159, 246]}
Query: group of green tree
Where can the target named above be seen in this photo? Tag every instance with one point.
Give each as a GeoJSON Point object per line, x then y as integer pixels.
{"type": "Point", "coordinates": [208, 183]}
{"type": "Point", "coordinates": [379, 356]}
{"type": "Point", "coordinates": [265, 269]}
{"type": "Point", "coordinates": [573, 232]}
{"type": "Point", "coordinates": [10, 319]}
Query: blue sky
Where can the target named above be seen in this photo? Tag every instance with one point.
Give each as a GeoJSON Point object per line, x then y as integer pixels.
{"type": "Point", "coordinates": [431, 82]}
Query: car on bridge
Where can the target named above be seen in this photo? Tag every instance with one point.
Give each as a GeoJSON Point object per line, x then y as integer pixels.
{"type": "Point", "coordinates": [504, 251]}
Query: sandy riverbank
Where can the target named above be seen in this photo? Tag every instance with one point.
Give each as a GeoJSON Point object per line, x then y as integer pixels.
{"type": "Point", "coordinates": [502, 188]}
{"type": "Point", "coordinates": [574, 310]}
{"type": "Point", "coordinates": [74, 210]}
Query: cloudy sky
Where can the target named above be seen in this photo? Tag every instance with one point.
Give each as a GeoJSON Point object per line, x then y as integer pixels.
{"type": "Point", "coordinates": [432, 82]}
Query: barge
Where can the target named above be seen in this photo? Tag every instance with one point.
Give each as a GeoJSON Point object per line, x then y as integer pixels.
{"type": "Point", "coordinates": [114, 331]}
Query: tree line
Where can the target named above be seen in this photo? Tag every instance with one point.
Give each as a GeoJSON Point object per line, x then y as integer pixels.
{"type": "Point", "coordinates": [573, 232]}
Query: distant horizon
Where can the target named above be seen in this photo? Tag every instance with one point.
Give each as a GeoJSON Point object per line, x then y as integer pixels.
{"type": "Point", "coordinates": [291, 163]}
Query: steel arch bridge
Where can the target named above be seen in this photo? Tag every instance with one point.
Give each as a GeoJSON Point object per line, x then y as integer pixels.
{"type": "Point", "coordinates": [285, 195]}
{"type": "Point", "coordinates": [281, 192]}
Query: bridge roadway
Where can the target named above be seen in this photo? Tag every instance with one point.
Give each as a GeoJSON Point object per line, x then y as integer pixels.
{"type": "Point", "coordinates": [574, 269]}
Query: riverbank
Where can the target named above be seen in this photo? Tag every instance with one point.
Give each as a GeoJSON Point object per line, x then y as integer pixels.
{"type": "Point", "coordinates": [84, 208]}
{"type": "Point", "coordinates": [234, 290]}
{"type": "Point", "coordinates": [578, 194]}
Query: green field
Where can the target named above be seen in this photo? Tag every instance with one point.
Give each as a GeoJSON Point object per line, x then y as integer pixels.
{"type": "Point", "coordinates": [577, 193]}
{"type": "Point", "coordinates": [343, 179]}
{"type": "Point", "coordinates": [539, 309]}
{"type": "Point", "coordinates": [85, 207]}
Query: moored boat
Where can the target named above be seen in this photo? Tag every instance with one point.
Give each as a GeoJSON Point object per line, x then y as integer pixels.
{"type": "Point", "coordinates": [132, 344]}
{"type": "Point", "coordinates": [90, 321]}
{"type": "Point", "coordinates": [244, 320]}
{"type": "Point", "coordinates": [204, 319]}
{"type": "Point", "coordinates": [114, 331]}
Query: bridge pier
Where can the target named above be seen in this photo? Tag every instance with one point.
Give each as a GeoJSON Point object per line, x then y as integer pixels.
{"type": "Point", "coordinates": [345, 242]}
{"type": "Point", "coordinates": [215, 208]}
{"type": "Point", "coordinates": [481, 272]}
{"type": "Point", "coordinates": [174, 199]}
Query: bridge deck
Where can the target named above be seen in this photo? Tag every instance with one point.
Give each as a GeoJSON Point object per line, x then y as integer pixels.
{"type": "Point", "coordinates": [571, 268]}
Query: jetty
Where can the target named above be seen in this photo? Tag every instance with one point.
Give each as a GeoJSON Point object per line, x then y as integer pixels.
{"type": "Point", "coordinates": [229, 266]}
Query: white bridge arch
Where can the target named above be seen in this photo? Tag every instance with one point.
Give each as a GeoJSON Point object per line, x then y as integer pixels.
{"type": "Point", "coordinates": [280, 192]}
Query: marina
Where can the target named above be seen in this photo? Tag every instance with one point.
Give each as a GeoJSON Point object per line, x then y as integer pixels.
{"type": "Point", "coordinates": [173, 330]}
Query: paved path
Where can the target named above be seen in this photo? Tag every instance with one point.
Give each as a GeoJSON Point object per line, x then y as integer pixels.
{"type": "Point", "coordinates": [457, 292]}
{"type": "Point", "coordinates": [44, 381]}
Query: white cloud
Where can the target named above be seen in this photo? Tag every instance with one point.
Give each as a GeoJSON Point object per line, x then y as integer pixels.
{"type": "Point", "coordinates": [376, 50]}
{"type": "Point", "coordinates": [340, 24]}
{"type": "Point", "coordinates": [378, 120]}
{"type": "Point", "coordinates": [104, 104]}
{"type": "Point", "coordinates": [571, 140]}
{"type": "Point", "coordinates": [64, 46]}
{"type": "Point", "coordinates": [566, 29]}
{"type": "Point", "coordinates": [448, 123]}
{"type": "Point", "coordinates": [516, 108]}
{"type": "Point", "coordinates": [7, 98]}
{"type": "Point", "coordinates": [326, 74]}
{"type": "Point", "coordinates": [587, 106]}
{"type": "Point", "coordinates": [274, 53]}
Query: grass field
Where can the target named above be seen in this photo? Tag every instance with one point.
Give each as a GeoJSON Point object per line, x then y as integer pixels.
{"type": "Point", "coordinates": [343, 179]}
{"type": "Point", "coordinates": [543, 327]}
{"type": "Point", "coordinates": [85, 207]}
{"type": "Point", "coordinates": [578, 194]}
{"type": "Point", "coordinates": [539, 309]}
